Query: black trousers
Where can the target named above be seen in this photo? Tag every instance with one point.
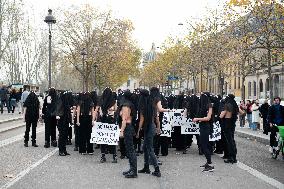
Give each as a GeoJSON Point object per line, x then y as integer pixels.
{"type": "Point", "coordinates": [30, 124]}
{"type": "Point", "coordinates": [156, 144]}
{"type": "Point", "coordinates": [69, 133]}
{"type": "Point", "coordinates": [50, 128]}
{"type": "Point", "coordinates": [204, 142]}
{"type": "Point", "coordinates": [229, 132]}
{"type": "Point", "coordinates": [164, 141]}
{"type": "Point", "coordinates": [273, 134]}
{"type": "Point", "coordinates": [180, 143]}
{"type": "Point", "coordinates": [129, 146]}
{"type": "Point", "coordinates": [63, 135]}
{"type": "Point", "coordinates": [85, 130]}
{"type": "Point", "coordinates": [122, 147]}
{"type": "Point", "coordinates": [105, 147]}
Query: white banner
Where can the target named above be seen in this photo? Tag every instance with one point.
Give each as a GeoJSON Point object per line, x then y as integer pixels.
{"type": "Point", "coordinates": [189, 127]}
{"type": "Point", "coordinates": [166, 126]}
{"type": "Point", "coordinates": [104, 133]}
{"type": "Point", "coordinates": [178, 117]}
{"type": "Point", "coordinates": [216, 135]}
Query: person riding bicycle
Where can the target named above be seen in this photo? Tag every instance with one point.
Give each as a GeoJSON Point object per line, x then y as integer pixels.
{"type": "Point", "coordinates": [275, 117]}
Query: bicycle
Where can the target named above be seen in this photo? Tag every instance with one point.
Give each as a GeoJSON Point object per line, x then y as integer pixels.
{"type": "Point", "coordinates": [280, 139]}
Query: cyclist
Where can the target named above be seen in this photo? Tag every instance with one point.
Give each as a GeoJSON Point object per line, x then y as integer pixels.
{"type": "Point", "coordinates": [275, 116]}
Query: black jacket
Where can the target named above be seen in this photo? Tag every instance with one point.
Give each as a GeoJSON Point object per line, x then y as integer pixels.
{"type": "Point", "coordinates": [271, 114]}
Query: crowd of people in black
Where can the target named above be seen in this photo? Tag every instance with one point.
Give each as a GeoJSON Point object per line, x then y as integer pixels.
{"type": "Point", "coordinates": [139, 115]}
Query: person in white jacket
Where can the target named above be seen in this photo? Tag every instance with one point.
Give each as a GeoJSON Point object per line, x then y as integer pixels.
{"type": "Point", "coordinates": [255, 115]}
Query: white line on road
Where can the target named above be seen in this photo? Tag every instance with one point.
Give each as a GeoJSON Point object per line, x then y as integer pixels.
{"type": "Point", "coordinates": [26, 171]}
{"type": "Point", "coordinates": [257, 174]}
{"type": "Point", "coordinates": [261, 176]}
{"type": "Point", "coordinates": [16, 138]}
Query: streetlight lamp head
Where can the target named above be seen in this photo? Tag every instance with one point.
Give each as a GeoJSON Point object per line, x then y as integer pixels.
{"type": "Point", "coordinates": [50, 19]}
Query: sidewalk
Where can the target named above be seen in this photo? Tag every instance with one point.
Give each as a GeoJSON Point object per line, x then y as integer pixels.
{"type": "Point", "coordinates": [258, 135]}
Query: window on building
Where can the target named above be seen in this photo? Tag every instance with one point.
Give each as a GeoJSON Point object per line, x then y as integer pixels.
{"type": "Point", "coordinates": [235, 82]}
{"type": "Point", "coordinates": [249, 89]}
{"type": "Point", "coordinates": [239, 82]}
{"type": "Point", "coordinates": [276, 85]}
{"type": "Point", "coordinates": [267, 85]}
{"type": "Point", "coordinates": [254, 88]}
{"type": "Point", "coordinates": [260, 86]}
{"type": "Point", "coordinates": [128, 83]}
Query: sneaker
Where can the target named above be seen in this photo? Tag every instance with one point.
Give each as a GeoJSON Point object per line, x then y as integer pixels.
{"type": "Point", "coordinates": [47, 145]}
{"type": "Point", "coordinates": [91, 153]}
{"type": "Point", "coordinates": [84, 153]}
{"type": "Point", "coordinates": [103, 159]}
{"type": "Point", "coordinates": [208, 169]}
{"type": "Point", "coordinates": [131, 174]}
{"type": "Point", "coordinates": [26, 144]}
{"type": "Point", "coordinates": [144, 170]}
{"type": "Point", "coordinates": [159, 162]}
{"type": "Point", "coordinates": [126, 172]}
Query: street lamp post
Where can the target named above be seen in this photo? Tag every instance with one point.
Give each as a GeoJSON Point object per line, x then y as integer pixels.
{"type": "Point", "coordinates": [83, 54]}
{"type": "Point", "coordinates": [95, 75]}
{"type": "Point", "coordinates": [49, 19]}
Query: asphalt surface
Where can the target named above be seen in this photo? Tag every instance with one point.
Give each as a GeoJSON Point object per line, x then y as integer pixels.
{"type": "Point", "coordinates": [20, 168]}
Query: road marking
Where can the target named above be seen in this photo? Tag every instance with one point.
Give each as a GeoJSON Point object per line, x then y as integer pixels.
{"type": "Point", "coordinates": [26, 171]}
{"type": "Point", "coordinates": [261, 176]}
{"type": "Point", "coordinates": [16, 138]}
{"type": "Point", "coordinates": [256, 173]}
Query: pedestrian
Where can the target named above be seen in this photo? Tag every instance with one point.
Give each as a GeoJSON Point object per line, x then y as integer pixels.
{"type": "Point", "coordinates": [264, 108]}
{"type": "Point", "coordinates": [128, 116]}
{"type": "Point", "coordinates": [63, 115]}
{"type": "Point", "coordinates": [242, 118]}
{"type": "Point", "coordinates": [107, 111]}
{"type": "Point", "coordinates": [31, 116]}
{"type": "Point", "coordinates": [249, 113]}
{"type": "Point", "coordinates": [24, 96]}
{"type": "Point", "coordinates": [3, 98]}
{"type": "Point", "coordinates": [13, 100]}
{"type": "Point", "coordinates": [77, 99]}
{"type": "Point", "coordinates": [49, 114]}
{"type": "Point", "coordinates": [275, 117]}
{"type": "Point", "coordinates": [149, 108]}
{"type": "Point", "coordinates": [85, 120]}
{"type": "Point", "coordinates": [230, 114]}
{"type": "Point", "coordinates": [255, 115]}
{"type": "Point", "coordinates": [203, 118]}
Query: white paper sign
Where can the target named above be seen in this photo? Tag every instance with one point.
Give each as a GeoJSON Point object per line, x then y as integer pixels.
{"type": "Point", "coordinates": [178, 117]}
{"type": "Point", "coordinates": [216, 135]}
{"type": "Point", "coordinates": [189, 127]}
{"type": "Point", "coordinates": [104, 133]}
{"type": "Point", "coordinates": [166, 126]}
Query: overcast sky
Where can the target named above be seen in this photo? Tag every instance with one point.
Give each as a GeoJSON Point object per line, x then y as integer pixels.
{"type": "Point", "coordinates": [153, 20]}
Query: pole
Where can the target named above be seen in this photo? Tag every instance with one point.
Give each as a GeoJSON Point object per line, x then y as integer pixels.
{"type": "Point", "coordinates": [49, 63]}
{"type": "Point", "coordinates": [83, 73]}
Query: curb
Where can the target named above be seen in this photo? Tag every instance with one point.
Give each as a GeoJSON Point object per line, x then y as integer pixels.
{"type": "Point", "coordinates": [10, 120]}
{"type": "Point", "coordinates": [11, 128]}
{"type": "Point", "coordinates": [257, 138]}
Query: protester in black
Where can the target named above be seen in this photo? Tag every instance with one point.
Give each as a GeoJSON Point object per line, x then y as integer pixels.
{"type": "Point", "coordinates": [264, 108]}
{"type": "Point", "coordinates": [204, 117]}
{"type": "Point", "coordinates": [85, 119]}
{"type": "Point", "coordinates": [63, 115]}
{"type": "Point", "coordinates": [31, 116]}
{"type": "Point", "coordinates": [230, 116]}
{"type": "Point", "coordinates": [49, 114]}
{"type": "Point", "coordinates": [108, 109]}
{"type": "Point", "coordinates": [128, 115]}
{"type": "Point", "coordinates": [149, 107]}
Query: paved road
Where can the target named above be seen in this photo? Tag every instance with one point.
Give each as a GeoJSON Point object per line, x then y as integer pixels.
{"type": "Point", "coordinates": [31, 167]}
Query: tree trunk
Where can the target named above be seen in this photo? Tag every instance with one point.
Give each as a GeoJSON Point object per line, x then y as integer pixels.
{"type": "Point", "coordinates": [270, 76]}
{"type": "Point", "coordinates": [243, 88]}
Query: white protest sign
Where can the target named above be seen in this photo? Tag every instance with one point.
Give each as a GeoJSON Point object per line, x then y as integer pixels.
{"type": "Point", "coordinates": [216, 135]}
{"type": "Point", "coordinates": [189, 127]}
{"type": "Point", "coordinates": [166, 126]}
{"type": "Point", "coordinates": [104, 133]}
{"type": "Point", "coordinates": [178, 117]}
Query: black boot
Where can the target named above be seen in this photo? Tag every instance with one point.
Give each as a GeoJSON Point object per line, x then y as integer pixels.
{"type": "Point", "coordinates": [66, 153]}
{"type": "Point", "coordinates": [47, 145]}
{"type": "Point", "coordinates": [26, 144]}
{"type": "Point", "coordinates": [34, 144]}
{"type": "Point", "coordinates": [145, 170]}
{"type": "Point", "coordinates": [126, 172]}
{"type": "Point", "coordinates": [54, 143]}
{"type": "Point", "coordinates": [62, 154]}
{"type": "Point", "coordinates": [103, 159]}
{"type": "Point", "coordinates": [131, 174]}
{"type": "Point", "coordinates": [114, 159]}
{"type": "Point", "coordinates": [157, 172]}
